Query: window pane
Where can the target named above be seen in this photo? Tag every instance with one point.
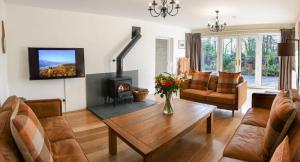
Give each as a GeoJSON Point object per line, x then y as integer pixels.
{"type": "Point", "coordinates": [248, 59]}
{"type": "Point", "coordinates": [229, 54]}
{"type": "Point", "coordinates": [270, 61]}
{"type": "Point", "coordinates": [209, 54]}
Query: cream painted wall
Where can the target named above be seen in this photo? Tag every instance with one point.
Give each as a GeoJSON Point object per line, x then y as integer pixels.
{"type": "Point", "coordinates": [102, 37]}
{"type": "Point", "coordinates": [3, 59]}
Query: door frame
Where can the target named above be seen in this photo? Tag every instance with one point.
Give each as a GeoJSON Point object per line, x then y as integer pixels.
{"type": "Point", "coordinates": [170, 53]}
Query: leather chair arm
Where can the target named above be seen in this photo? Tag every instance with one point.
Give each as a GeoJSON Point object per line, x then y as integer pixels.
{"type": "Point", "coordinates": [45, 108]}
{"type": "Point", "coordinates": [186, 84]}
{"type": "Point", "coordinates": [263, 100]}
{"type": "Point", "coordinates": [242, 93]}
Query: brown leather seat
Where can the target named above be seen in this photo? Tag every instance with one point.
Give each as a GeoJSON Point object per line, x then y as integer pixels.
{"type": "Point", "coordinates": [227, 159]}
{"type": "Point", "coordinates": [57, 128]}
{"type": "Point", "coordinates": [64, 146]}
{"type": "Point", "coordinates": [246, 144]}
{"type": "Point", "coordinates": [67, 150]}
{"type": "Point", "coordinates": [257, 117]}
{"type": "Point", "coordinates": [221, 100]}
{"type": "Point", "coordinates": [196, 94]}
{"type": "Point", "coordinates": [225, 98]}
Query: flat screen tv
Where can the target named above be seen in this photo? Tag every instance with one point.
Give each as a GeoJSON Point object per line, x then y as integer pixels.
{"type": "Point", "coordinates": [56, 63]}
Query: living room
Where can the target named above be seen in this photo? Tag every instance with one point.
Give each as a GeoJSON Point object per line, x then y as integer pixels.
{"type": "Point", "coordinates": [244, 58]}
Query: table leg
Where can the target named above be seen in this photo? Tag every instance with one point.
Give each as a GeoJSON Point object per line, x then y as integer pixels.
{"type": "Point", "coordinates": [209, 128]}
{"type": "Point", "coordinates": [148, 158]}
{"type": "Point", "coordinates": [112, 140]}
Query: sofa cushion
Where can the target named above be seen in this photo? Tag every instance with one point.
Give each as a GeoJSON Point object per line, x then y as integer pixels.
{"type": "Point", "coordinates": [227, 159]}
{"type": "Point", "coordinates": [200, 80]}
{"type": "Point", "coordinates": [246, 144]}
{"type": "Point", "coordinates": [281, 117]}
{"type": "Point", "coordinates": [227, 82]}
{"type": "Point", "coordinates": [294, 136]}
{"type": "Point", "coordinates": [195, 94]}
{"type": "Point", "coordinates": [257, 117]}
{"type": "Point", "coordinates": [8, 148]}
{"type": "Point", "coordinates": [29, 135]}
{"type": "Point", "coordinates": [57, 128]}
{"type": "Point", "coordinates": [10, 104]}
{"type": "Point", "coordinates": [213, 82]}
{"type": "Point", "coordinates": [2, 158]}
{"type": "Point", "coordinates": [222, 98]}
{"type": "Point", "coordinates": [67, 150]}
{"type": "Point", "coordinates": [282, 152]}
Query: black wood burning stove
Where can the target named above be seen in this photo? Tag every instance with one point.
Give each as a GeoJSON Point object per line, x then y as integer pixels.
{"type": "Point", "coordinates": [119, 87]}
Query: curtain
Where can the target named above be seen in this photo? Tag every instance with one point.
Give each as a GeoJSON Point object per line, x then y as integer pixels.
{"type": "Point", "coordinates": [193, 50]}
{"type": "Point", "coordinates": [286, 63]}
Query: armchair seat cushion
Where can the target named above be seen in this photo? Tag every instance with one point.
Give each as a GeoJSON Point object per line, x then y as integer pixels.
{"type": "Point", "coordinates": [57, 128]}
{"type": "Point", "coordinates": [67, 150]}
{"type": "Point", "coordinates": [256, 117]}
{"type": "Point", "coordinates": [195, 94]}
{"type": "Point", "coordinates": [221, 98]}
{"type": "Point", "coordinates": [246, 144]}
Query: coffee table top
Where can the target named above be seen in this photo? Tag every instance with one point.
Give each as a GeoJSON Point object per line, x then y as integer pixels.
{"type": "Point", "coordinates": [148, 129]}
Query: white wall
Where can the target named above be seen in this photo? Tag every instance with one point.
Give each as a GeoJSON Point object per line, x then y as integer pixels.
{"type": "Point", "coordinates": [102, 37]}
{"type": "Point", "coordinates": [3, 58]}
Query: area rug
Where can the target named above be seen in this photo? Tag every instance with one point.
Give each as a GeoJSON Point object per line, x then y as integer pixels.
{"type": "Point", "coordinates": [109, 110]}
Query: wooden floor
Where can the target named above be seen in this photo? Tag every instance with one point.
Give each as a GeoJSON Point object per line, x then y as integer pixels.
{"type": "Point", "coordinates": [196, 146]}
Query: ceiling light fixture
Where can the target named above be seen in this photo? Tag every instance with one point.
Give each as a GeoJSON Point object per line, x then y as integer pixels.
{"type": "Point", "coordinates": [217, 26]}
{"type": "Point", "coordinates": [166, 8]}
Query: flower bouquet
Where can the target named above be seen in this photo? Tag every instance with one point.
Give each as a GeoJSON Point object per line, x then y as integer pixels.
{"type": "Point", "coordinates": [165, 85]}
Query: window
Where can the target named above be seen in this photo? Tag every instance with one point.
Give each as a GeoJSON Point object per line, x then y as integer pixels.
{"type": "Point", "coordinates": [255, 56]}
{"type": "Point", "coordinates": [209, 54]}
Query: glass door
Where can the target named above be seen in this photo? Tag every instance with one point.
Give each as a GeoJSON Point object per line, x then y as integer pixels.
{"type": "Point", "coordinates": [248, 60]}
{"type": "Point", "coordinates": [270, 61]}
{"type": "Point", "coordinates": [209, 54]}
{"type": "Point", "coordinates": [229, 55]}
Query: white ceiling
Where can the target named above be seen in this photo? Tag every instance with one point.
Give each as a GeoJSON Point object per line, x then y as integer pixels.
{"type": "Point", "coordinates": [193, 14]}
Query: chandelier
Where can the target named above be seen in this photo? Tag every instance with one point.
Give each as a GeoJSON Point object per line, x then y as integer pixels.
{"type": "Point", "coordinates": [166, 8]}
{"type": "Point", "coordinates": [217, 26]}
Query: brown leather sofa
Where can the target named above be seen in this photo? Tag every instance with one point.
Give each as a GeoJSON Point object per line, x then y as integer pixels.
{"type": "Point", "coordinates": [247, 142]}
{"type": "Point", "coordinates": [221, 100]}
{"type": "Point", "coordinates": [64, 146]}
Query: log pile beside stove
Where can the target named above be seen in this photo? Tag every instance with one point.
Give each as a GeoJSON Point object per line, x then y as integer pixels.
{"type": "Point", "coordinates": [119, 87]}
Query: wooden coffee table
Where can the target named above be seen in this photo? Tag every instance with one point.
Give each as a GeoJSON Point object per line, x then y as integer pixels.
{"type": "Point", "coordinates": [148, 129]}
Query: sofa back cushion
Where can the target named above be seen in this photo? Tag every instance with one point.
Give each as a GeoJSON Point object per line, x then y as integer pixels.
{"type": "Point", "coordinates": [227, 82]}
{"type": "Point", "coordinates": [281, 117]}
{"type": "Point", "coordinates": [8, 147]}
{"type": "Point", "coordinates": [213, 82]}
{"type": "Point", "coordinates": [294, 135]}
{"type": "Point", "coordinates": [29, 135]}
{"type": "Point", "coordinates": [200, 80]}
{"type": "Point", "coordinates": [282, 152]}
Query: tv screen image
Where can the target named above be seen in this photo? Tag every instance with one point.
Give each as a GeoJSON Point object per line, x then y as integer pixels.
{"type": "Point", "coordinates": [57, 63]}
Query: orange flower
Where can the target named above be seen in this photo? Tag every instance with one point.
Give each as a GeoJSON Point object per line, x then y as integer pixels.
{"type": "Point", "coordinates": [177, 81]}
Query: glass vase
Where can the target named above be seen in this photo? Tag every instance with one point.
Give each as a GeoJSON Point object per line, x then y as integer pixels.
{"type": "Point", "coordinates": [168, 108]}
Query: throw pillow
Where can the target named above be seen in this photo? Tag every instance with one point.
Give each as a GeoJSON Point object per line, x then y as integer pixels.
{"type": "Point", "coordinates": [213, 82]}
{"type": "Point", "coordinates": [281, 118]}
{"type": "Point", "coordinates": [29, 135]}
{"type": "Point", "coordinates": [282, 152]}
{"type": "Point", "coordinates": [200, 80]}
{"type": "Point", "coordinates": [227, 82]}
